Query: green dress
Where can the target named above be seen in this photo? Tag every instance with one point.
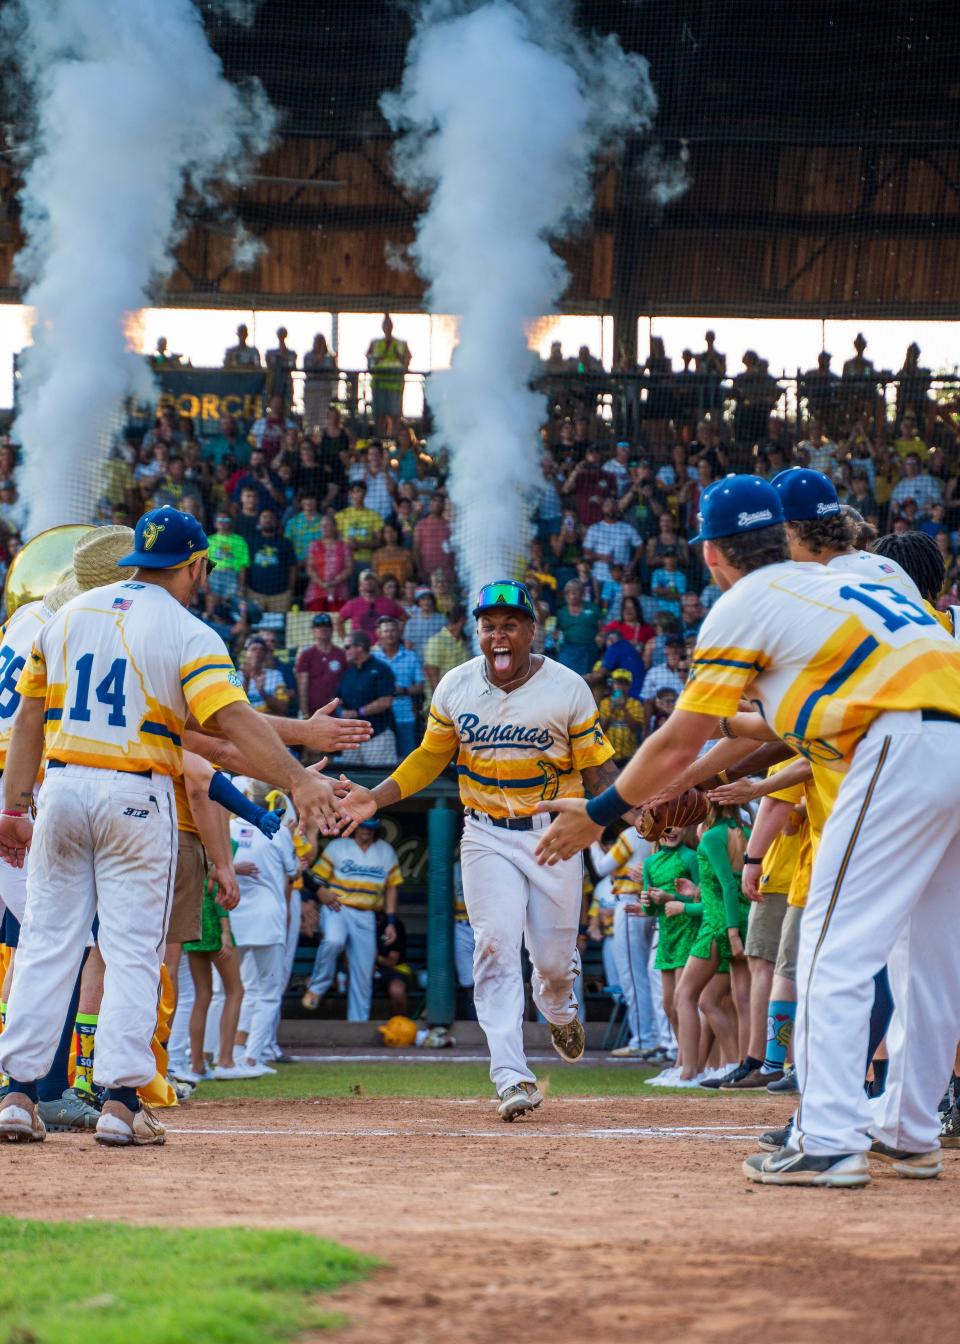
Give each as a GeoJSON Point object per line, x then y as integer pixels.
{"type": "Point", "coordinates": [723, 903]}
{"type": "Point", "coordinates": [211, 914]}
{"type": "Point", "coordinates": [676, 933]}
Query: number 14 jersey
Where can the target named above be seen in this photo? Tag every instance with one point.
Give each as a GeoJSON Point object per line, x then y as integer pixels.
{"type": "Point", "coordinates": [118, 669]}
{"type": "Point", "coordinates": [821, 652]}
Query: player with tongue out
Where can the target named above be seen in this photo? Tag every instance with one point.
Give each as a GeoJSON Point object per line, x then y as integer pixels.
{"type": "Point", "coordinates": [524, 730]}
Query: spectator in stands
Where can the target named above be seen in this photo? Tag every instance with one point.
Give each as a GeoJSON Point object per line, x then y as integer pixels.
{"type": "Point", "coordinates": [336, 440]}
{"type": "Point", "coordinates": [666, 627]}
{"type": "Point", "coordinates": [821, 449]}
{"type": "Point", "coordinates": [310, 478]}
{"type": "Point", "coordinates": [320, 383]}
{"type": "Point", "coordinates": [620, 653]}
{"type": "Point", "coordinates": [319, 667]}
{"type": "Point", "coordinates": [441, 585]}
{"type": "Point", "coordinates": [231, 555]}
{"type": "Point", "coordinates": [257, 476]}
{"type": "Point", "coordinates": [446, 649]}
{"type": "Point", "coordinates": [388, 359]}
{"type": "Point", "coordinates": [666, 542]}
{"type": "Point", "coordinates": [229, 445]}
{"type": "Point", "coordinates": [858, 366]}
{"type": "Point", "coordinates": [391, 559]}
{"type": "Point", "coordinates": [913, 384]}
{"type": "Point", "coordinates": [366, 692]}
{"type": "Point", "coordinates": [379, 480]}
{"type": "Point", "coordinates": [618, 469]}
{"type": "Point", "coordinates": [304, 528]}
{"type": "Point", "coordinates": [408, 682]}
{"type": "Point", "coordinates": [279, 659]}
{"type": "Point", "coordinates": [711, 361]}
{"type": "Point", "coordinates": [858, 496]}
{"type": "Point", "coordinates": [13, 511]}
{"type": "Point", "coordinates": [392, 973]}
{"type": "Point", "coordinates": [668, 583]}
{"type": "Point", "coordinates": [242, 355]}
{"type": "Point", "coordinates": [270, 430]}
{"type": "Point", "coordinates": [359, 526]}
{"type": "Point", "coordinates": [691, 615]}
{"type": "Point", "coordinates": [610, 541]}
{"type": "Point", "coordinates": [432, 548]}
{"type": "Point", "coordinates": [247, 522]}
{"type": "Point", "coordinates": [329, 567]}
{"type": "Point", "coordinates": [364, 611]}
{"type": "Point", "coordinates": [175, 490]}
{"type": "Point", "coordinates": [565, 547]}
{"type": "Point", "coordinates": [622, 716]}
{"type": "Point", "coordinates": [630, 624]}
{"type": "Point", "coordinates": [425, 622]}
{"type": "Point", "coordinates": [362, 873]}
{"type": "Point", "coordinates": [281, 361]}
{"type": "Point", "coordinates": [578, 625]}
{"type": "Point", "coordinates": [272, 575]}
{"type": "Point", "coordinates": [586, 487]}
{"type": "Point", "coordinates": [265, 687]}
{"type": "Point", "coordinates": [663, 705]}
{"type": "Point", "coordinates": [909, 441]}
{"type": "Point", "coordinates": [670, 675]}
{"type": "Point", "coordinates": [917, 484]}
{"type": "Point", "coordinates": [820, 387]}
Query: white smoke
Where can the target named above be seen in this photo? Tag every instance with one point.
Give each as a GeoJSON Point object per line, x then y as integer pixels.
{"type": "Point", "coordinates": [131, 106]}
{"type": "Point", "coordinates": [502, 110]}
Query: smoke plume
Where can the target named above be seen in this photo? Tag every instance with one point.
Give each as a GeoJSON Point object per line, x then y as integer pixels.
{"type": "Point", "coordinates": [131, 106]}
{"type": "Point", "coordinates": [503, 109]}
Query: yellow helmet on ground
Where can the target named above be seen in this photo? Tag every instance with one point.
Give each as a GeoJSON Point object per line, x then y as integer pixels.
{"type": "Point", "coordinates": [398, 1032]}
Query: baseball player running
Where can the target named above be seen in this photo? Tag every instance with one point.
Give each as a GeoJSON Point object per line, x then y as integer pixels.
{"type": "Point", "coordinates": [110, 681]}
{"type": "Point", "coordinates": [866, 684]}
{"type": "Point", "coordinates": [525, 731]}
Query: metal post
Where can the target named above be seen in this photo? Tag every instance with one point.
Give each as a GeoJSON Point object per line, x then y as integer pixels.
{"type": "Point", "coordinates": [441, 982]}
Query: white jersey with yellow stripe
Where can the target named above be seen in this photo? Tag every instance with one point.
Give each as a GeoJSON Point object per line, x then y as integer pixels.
{"type": "Point", "coordinates": [870, 568]}
{"type": "Point", "coordinates": [821, 654]}
{"type": "Point", "coordinates": [118, 669]}
{"type": "Point", "coordinates": [16, 643]}
{"type": "Point", "coordinates": [359, 877]}
{"type": "Point", "coordinates": [516, 748]}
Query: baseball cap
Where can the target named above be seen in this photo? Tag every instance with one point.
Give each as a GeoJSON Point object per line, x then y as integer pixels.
{"type": "Point", "coordinates": [322, 618]}
{"type": "Point", "coordinates": [165, 539]}
{"type": "Point", "coordinates": [621, 674]}
{"type": "Point", "coordinates": [805, 493]}
{"type": "Point", "coordinates": [505, 594]}
{"type": "Point", "coordinates": [371, 824]}
{"type": "Point", "coordinates": [737, 504]}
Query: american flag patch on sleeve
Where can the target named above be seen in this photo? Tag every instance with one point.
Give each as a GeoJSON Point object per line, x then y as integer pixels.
{"type": "Point", "coordinates": [122, 603]}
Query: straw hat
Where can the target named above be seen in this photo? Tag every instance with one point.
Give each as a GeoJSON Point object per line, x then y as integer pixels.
{"type": "Point", "coordinates": [95, 559]}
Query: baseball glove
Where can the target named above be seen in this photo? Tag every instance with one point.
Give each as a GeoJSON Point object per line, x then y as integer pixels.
{"type": "Point", "coordinates": [685, 810]}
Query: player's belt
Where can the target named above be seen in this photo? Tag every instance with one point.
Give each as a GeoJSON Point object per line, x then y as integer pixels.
{"type": "Point", "coordinates": [509, 823]}
{"type": "Point", "coordinates": [938, 716]}
{"type": "Point", "coordinates": [138, 774]}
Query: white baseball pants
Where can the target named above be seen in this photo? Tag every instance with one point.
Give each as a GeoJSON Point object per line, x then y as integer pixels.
{"type": "Point", "coordinates": [883, 891]}
{"type": "Point", "coordinates": [104, 843]}
{"type": "Point", "coordinates": [13, 888]}
{"type": "Point", "coordinates": [354, 932]}
{"type": "Point", "coordinates": [262, 973]}
{"type": "Point", "coordinates": [511, 899]}
{"type": "Point", "coordinates": [289, 955]}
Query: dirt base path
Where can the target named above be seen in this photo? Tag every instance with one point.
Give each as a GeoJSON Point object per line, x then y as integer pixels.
{"type": "Point", "coordinates": [594, 1222]}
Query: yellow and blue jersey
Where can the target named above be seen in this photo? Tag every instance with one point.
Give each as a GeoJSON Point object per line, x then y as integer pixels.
{"type": "Point", "coordinates": [16, 643]}
{"type": "Point", "coordinates": [359, 877]}
{"type": "Point", "coordinates": [821, 653]}
{"type": "Point", "coordinates": [519, 748]}
{"type": "Point", "coordinates": [118, 670]}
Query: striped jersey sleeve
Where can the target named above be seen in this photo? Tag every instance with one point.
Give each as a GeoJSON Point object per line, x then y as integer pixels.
{"type": "Point", "coordinates": [207, 674]}
{"type": "Point", "coordinates": [588, 742]}
{"type": "Point", "coordinates": [722, 666]}
{"type": "Point", "coordinates": [440, 734]}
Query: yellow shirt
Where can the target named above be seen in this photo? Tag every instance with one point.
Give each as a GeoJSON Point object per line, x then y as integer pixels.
{"type": "Point", "coordinates": [780, 860]}
{"type": "Point", "coordinates": [16, 643]}
{"type": "Point", "coordinates": [118, 670]}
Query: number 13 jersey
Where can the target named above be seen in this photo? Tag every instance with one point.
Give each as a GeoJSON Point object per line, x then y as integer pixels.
{"type": "Point", "coordinates": [118, 669]}
{"type": "Point", "coordinates": [821, 652]}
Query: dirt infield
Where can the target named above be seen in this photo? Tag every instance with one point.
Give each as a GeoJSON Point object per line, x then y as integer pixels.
{"type": "Point", "coordinates": [596, 1220]}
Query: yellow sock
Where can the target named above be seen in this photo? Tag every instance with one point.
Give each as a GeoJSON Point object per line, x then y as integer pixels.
{"type": "Point", "coordinates": [85, 1036]}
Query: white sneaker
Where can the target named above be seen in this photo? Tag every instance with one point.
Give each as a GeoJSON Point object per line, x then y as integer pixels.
{"type": "Point", "coordinates": [260, 1070]}
{"type": "Point", "coordinates": [665, 1079]}
{"type": "Point", "coordinates": [192, 1077]}
{"type": "Point", "coordinates": [227, 1072]}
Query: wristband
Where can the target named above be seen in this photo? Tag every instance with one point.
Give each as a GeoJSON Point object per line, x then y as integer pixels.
{"type": "Point", "coordinates": [607, 807]}
{"type": "Point", "coordinates": [581, 931]}
{"type": "Point", "coordinates": [747, 859]}
{"type": "Point", "coordinates": [390, 919]}
{"type": "Point", "coordinates": [12, 812]}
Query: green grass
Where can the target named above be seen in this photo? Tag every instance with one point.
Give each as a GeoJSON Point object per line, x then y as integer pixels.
{"type": "Point", "coordinates": [107, 1283]}
{"type": "Point", "coordinates": [398, 1079]}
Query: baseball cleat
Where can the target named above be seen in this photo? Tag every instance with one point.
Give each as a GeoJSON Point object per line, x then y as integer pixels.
{"type": "Point", "coordinates": [912, 1166]}
{"type": "Point", "coordinates": [569, 1040]}
{"type": "Point", "coordinates": [629, 1052]}
{"type": "Point", "coordinates": [950, 1129]}
{"type": "Point", "coordinates": [21, 1124]}
{"type": "Point", "coordinates": [775, 1139]}
{"type": "Point", "coordinates": [518, 1099]}
{"type": "Point", "coordinates": [115, 1132]}
{"type": "Point", "coordinates": [788, 1166]}
{"type": "Point", "coordinates": [73, 1113]}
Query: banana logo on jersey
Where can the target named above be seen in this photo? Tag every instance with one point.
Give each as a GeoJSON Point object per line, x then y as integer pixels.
{"type": "Point", "coordinates": [150, 534]}
{"type": "Point", "coordinates": [551, 780]}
